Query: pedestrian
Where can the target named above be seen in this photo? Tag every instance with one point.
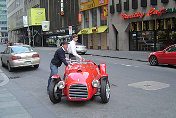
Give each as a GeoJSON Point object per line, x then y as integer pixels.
{"type": "Point", "coordinates": [57, 60]}
{"type": "Point", "coordinates": [72, 48]}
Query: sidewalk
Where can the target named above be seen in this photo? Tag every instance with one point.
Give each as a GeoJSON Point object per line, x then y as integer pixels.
{"type": "Point", "coordinates": [130, 55]}
{"type": "Point", "coordinates": [9, 105]}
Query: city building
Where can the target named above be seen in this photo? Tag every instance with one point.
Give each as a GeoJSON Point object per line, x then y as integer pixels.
{"type": "Point", "coordinates": [15, 13]}
{"type": "Point", "coordinates": [3, 22]}
{"type": "Point", "coordinates": [27, 27]}
{"type": "Point", "coordinates": [62, 14]}
{"type": "Point", "coordinates": [94, 24]}
{"type": "Point", "coordinates": [141, 25]}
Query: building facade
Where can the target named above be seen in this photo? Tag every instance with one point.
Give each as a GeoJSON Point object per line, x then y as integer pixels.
{"type": "Point", "coordinates": [60, 13]}
{"type": "Point", "coordinates": [15, 13]}
{"type": "Point", "coordinates": [141, 25]}
{"type": "Point", "coordinates": [3, 22]}
{"type": "Point", "coordinates": [94, 24]}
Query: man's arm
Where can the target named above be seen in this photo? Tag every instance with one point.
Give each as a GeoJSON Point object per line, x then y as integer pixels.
{"type": "Point", "coordinates": [62, 57]}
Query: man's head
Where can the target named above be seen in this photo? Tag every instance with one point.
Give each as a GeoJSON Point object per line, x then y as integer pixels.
{"type": "Point", "coordinates": [65, 45]}
{"type": "Point", "coordinates": [75, 37]}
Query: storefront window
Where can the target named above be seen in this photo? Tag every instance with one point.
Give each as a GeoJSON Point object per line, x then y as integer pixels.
{"type": "Point", "coordinates": [94, 17]}
{"type": "Point", "coordinates": [103, 12]}
{"type": "Point", "coordinates": [142, 41]}
{"type": "Point", "coordinates": [51, 41]}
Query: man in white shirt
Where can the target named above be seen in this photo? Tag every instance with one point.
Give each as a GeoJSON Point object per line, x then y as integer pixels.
{"type": "Point", "coordinates": [72, 49]}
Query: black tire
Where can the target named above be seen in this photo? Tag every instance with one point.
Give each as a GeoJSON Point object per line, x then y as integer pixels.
{"type": "Point", "coordinates": [3, 65]}
{"type": "Point", "coordinates": [105, 90]}
{"type": "Point", "coordinates": [55, 96]}
{"type": "Point", "coordinates": [36, 66]}
{"type": "Point", "coordinates": [9, 67]}
{"type": "Point", "coordinates": [153, 61]}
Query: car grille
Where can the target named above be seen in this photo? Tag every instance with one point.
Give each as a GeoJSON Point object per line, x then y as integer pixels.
{"type": "Point", "coordinates": [78, 91]}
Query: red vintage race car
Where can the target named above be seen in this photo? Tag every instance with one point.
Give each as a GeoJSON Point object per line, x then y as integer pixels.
{"type": "Point", "coordinates": [82, 82]}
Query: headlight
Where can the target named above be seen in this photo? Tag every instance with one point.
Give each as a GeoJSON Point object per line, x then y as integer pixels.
{"type": "Point", "coordinates": [61, 84]}
{"type": "Point", "coordinates": [95, 83]}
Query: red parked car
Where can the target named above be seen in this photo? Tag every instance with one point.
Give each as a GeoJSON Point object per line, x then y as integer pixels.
{"type": "Point", "coordinates": [167, 56]}
{"type": "Point", "coordinates": [82, 82]}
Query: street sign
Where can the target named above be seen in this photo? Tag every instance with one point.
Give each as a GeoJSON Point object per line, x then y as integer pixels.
{"type": "Point", "coordinates": [70, 30]}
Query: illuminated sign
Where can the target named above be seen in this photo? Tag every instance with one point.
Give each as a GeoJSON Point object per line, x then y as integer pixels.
{"type": "Point", "coordinates": [136, 15]}
{"type": "Point", "coordinates": [151, 12]}
{"type": "Point", "coordinates": [92, 4]}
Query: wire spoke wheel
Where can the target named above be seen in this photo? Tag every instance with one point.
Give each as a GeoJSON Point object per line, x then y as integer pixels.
{"type": "Point", "coordinates": [153, 61]}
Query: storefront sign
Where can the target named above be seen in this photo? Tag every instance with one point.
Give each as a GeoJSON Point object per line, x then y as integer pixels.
{"type": "Point", "coordinates": [84, 31]}
{"type": "Point", "coordinates": [136, 15]}
{"type": "Point", "coordinates": [79, 17]}
{"type": "Point", "coordinates": [92, 4]}
{"type": "Point", "coordinates": [153, 11]}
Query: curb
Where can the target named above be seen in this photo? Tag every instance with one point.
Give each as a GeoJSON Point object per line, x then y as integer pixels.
{"type": "Point", "coordinates": [118, 57]}
{"type": "Point", "coordinates": [4, 77]}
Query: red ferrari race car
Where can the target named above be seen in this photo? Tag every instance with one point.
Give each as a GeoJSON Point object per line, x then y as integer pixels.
{"type": "Point", "coordinates": [82, 82]}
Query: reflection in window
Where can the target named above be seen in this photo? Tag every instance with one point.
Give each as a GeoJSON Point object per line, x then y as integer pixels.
{"type": "Point", "coordinates": [171, 49]}
{"type": "Point", "coordinates": [94, 17]}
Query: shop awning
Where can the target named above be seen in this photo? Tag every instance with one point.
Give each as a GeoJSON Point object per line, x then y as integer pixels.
{"type": "Point", "coordinates": [85, 31]}
{"type": "Point", "coordinates": [102, 29]}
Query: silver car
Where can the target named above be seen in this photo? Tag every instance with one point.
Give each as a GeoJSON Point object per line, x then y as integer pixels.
{"type": "Point", "coordinates": [19, 56]}
{"type": "Point", "coordinates": [80, 48]}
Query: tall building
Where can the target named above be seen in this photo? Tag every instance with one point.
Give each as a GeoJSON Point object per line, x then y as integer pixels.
{"type": "Point", "coordinates": [60, 13]}
{"type": "Point", "coordinates": [15, 14]}
{"type": "Point", "coordinates": [141, 25]}
{"type": "Point", "coordinates": [3, 21]}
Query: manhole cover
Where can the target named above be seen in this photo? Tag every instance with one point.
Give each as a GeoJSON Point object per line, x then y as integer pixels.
{"type": "Point", "coordinates": [149, 85]}
{"type": "Point", "coordinates": [14, 77]}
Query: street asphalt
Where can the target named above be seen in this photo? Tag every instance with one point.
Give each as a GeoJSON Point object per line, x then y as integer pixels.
{"type": "Point", "coordinates": [11, 108]}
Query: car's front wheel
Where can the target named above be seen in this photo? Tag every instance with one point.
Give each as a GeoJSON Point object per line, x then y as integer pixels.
{"type": "Point", "coordinates": [153, 61]}
{"type": "Point", "coordinates": [105, 90]}
{"type": "Point", "coordinates": [54, 92]}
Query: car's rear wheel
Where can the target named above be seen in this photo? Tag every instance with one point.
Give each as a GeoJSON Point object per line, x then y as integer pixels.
{"type": "Point", "coordinates": [36, 66]}
{"type": "Point", "coordinates": [3, 65]}
{"type": "Point", "coordinates": [153, 61]}
{"type": "Point", "coordinates": [105, 90]}
{"type": "Point", "coordinates": [54, 92]}
{"type": "Point", "coordinates": [9, 67]}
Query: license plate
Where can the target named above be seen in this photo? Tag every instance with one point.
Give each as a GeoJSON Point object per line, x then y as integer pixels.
{"type": "Point", "coordinates": [28, 62]}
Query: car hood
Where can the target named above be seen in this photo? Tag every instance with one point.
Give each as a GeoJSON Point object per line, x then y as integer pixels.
{"type": "Point", "coordinates": [81, 74]}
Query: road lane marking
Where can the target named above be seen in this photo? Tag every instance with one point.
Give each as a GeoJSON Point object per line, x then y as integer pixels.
{"type": "Point", "coordinates": [149, 85]}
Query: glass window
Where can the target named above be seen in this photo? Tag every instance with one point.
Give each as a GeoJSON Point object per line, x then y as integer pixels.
{"type": "Point", "coordinates": [94, 17]}
{"type": "Point", "coordinates": [171, 49]}
{"type": "Point", "coordinates": [86, 19]}
{"type": "Point", "coordinates": [103, 12]}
